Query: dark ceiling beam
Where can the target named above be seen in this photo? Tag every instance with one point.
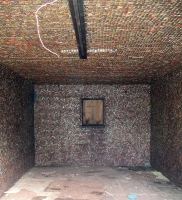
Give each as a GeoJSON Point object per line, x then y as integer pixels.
{"type": "Point", "coordinates": [77, 13]}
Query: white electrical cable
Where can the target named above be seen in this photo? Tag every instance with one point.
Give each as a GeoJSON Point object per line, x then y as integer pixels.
{"type": "Point", "coordinates": [38, 31]}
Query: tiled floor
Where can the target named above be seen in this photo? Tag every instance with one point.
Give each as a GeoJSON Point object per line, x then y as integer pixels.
{"type": "Point", "coordinates": [93, 183]}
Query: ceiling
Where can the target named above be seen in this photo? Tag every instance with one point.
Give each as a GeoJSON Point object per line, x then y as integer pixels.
{"type": "Point", "coordinates": [127, 41]}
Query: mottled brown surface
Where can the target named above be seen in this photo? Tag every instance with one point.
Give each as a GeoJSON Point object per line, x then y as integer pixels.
{"type": "Point", "coordinates": [16, 128]}
{"type": "Point", "coordinates": [22, 195]}
{"type": "Point", "coordinates": [137, 40]}
{"type": "Point", "coordinates": [60, 138]}
{"type": "Point", "coordinates": [86, 189]}
{"type": "Point", "coordinates": [166, 140]}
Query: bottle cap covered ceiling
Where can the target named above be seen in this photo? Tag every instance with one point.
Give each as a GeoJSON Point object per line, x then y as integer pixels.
{"type": "Point", "coordinates": [127, 41]}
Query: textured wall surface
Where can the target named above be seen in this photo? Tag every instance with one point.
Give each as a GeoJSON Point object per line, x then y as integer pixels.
{"type": "Point", "coordinates": [16, 128]}
{"type": "Point", "coordinates": [166, 140]}
{"type": "Point", "coordinates": [60, 138]}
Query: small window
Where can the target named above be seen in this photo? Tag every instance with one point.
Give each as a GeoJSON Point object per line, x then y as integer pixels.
{"type": "Point", "coordinates": [92, 112]}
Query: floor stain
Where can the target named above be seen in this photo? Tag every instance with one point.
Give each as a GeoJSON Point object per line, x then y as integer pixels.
{"type": "Point", "coordinates": [108, 176]}
{"type": "Point", "coordinates": [93, 172]}
{"type": "Point", "coordinates": [57, 189]}
{"type": "Point", "coordinates": [97, 193]}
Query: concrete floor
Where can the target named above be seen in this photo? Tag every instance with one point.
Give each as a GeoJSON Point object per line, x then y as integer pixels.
{"type": "Point", "coordinates": [93, 183]}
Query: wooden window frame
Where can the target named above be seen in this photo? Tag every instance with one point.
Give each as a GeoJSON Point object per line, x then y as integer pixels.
{"type": "Point", "coordinates": [83, 111]}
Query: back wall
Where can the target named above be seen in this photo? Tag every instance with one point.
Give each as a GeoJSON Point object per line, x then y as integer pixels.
{"type": "Point", "coordinates": [61, 140]}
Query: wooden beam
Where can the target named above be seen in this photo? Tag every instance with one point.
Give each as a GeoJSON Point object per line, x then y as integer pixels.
{"type": "Point", "coordinates": [77, 13]}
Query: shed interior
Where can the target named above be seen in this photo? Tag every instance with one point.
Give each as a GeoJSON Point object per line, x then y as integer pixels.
{"type": "Point", "coordinates": [134, 57]}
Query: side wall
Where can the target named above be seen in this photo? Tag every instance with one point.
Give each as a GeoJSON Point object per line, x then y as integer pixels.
{"type": "Point", "coordinates": [16, 128]}
{"type": "Point", "coordinates": [61, 140]}
{"type": "Point", "coordinates": [166, 139]}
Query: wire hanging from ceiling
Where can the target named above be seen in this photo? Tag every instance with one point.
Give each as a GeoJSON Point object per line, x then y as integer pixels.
{"type": "Point", "coordinates": [38, 31]}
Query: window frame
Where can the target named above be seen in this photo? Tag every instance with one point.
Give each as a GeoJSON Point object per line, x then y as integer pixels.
{"type": "Point", "coordinates": [95, 124]}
